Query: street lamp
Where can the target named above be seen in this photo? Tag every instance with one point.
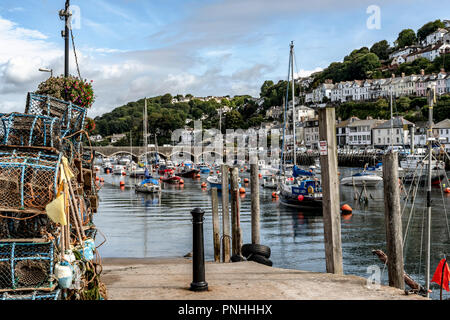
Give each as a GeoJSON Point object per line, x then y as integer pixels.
{"type": "Point", "coordinates": [47, 70]}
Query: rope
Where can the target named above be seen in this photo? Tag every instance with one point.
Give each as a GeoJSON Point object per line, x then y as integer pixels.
{"type": "Point", "coordinates": [75, 53]}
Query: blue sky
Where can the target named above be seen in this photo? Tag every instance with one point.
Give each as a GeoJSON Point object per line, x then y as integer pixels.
{"type": "Point", "coordinates": [137, 48]}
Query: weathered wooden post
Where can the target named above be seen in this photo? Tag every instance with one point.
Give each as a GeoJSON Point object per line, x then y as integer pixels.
{"type": "Point", "coordinates": [254, 186]}
{"type": "Point", "coordinates": [393, 220]}
{"type": "Point", "coordinates": [215, 220]}
{"type": "Point", "coordinates": [330, 189]}
{"type": "Point", "coordinates": [198, 253]}
{"type": "Point", "coordinates": [235, 225]}
{"type": "Point", "coordinates": [226, 234]}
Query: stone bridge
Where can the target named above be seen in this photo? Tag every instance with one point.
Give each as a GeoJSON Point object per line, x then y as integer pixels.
{"type": "Point", "coordinates": [163, 152]}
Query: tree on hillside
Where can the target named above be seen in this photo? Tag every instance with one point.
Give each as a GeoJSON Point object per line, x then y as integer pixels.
{"type": "Point", "coordinates": [381, 49]}
{"type": "Point", "coordinates": [265, 87]}
{"type": "Point", "coordinates": [429, 28]}
{"type": "Point", "coordinates": [233, 120]}
{"type": "Point", "coordinates": [166, 99]}
{"type": "Point", "coordinates": [406, 38]}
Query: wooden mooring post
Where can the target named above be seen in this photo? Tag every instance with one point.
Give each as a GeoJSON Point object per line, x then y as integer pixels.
{"type": "Point", "coordinates": [235, 219]}
{"type": "Point", "coordinates": [393, 220]}
{"type": "Point", "coordinates": [226, 235]}
{"type": "Point", "coordinates": [254, 186]}
{"type": "Point", "coordinates": [215, 221]}
{"type": "Point", "coordinates": [330, 189]}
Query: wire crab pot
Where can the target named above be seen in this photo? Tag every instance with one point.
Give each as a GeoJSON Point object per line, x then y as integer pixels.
{"type": "Point", "coordinates": [28, 130]}
{"type": "Point", "coordinates": [36, 295]}
{"type": "Point", "coordinates": [17, 225]}
{"type": "Point", "coordinates": [72, 116]}
{"type": "Point", "coordinates": [28, 180]}
{"type": "Point", "coordinates": [26, 266]}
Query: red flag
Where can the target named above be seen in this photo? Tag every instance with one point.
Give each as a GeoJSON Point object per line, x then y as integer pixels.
{"type": "Point", "coordinates": [438, 275]}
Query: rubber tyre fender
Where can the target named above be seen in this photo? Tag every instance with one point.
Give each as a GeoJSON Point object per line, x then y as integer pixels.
{"type": "Point", "coordinates": [260, 259]}
{"type": "Point", "coordinates": [248, 249]}
{"type": "Point", "coordinates": [237, 258]}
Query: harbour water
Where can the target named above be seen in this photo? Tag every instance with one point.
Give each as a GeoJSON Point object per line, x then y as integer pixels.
{"type": "Point", "coordinates": [143, 226]}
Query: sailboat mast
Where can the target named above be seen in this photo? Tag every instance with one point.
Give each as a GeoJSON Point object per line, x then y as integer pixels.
{"type": "Point", "coordinates": [293, 101]}
{"type": "Point", "coordinates": [392, 125]}
{"type": "Point", "coordinates": [431, 94]}
{"type": "Point", "coordinates": [145, 132]}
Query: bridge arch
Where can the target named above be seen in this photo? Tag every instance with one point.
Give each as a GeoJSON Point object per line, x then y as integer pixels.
{"type": "Point", "coordinates": [161, 155]}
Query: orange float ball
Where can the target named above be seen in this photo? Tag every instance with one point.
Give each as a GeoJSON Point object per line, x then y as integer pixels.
{"type": "Point", "coordinates": [242, 190]}
{"type": "Point", "coordinates": [346, 209]}
{"type": "Point", "coordinates": [181, 181]}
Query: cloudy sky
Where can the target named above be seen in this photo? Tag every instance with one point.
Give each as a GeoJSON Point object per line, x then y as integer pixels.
{"type": "Point", "coordinates": [137, 48]}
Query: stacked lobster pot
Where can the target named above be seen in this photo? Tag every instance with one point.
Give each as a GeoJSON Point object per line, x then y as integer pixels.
{"type": "Point", "coordinates": [48, 198]}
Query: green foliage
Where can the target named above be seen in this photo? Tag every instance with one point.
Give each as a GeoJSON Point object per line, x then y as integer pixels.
{"type": "Point", "coordinates": [405, 38]}
{"type": "Point", "coordinates": [233, 120]}
{"type": "Point", "coordinates": [79, 92]}
{"type": "Point", "coordinates": [381, 49]}
{"type": "Point", "coordinates": [429, 28]}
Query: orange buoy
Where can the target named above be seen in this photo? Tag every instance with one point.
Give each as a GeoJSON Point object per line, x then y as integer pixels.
{"type": "Point", "coordinates": [102, 180]}
{"type": "Point", "coordinates": [97, 178]}
{"type": "Point", "coordinates": [160, 178]}
{"type": "Point", "coordinates": [346, 209]}
{"type": "Point", "coordinates": [122, 183]}
{"type": "Point", "coordinates": [124, 173]}
{"type": "Point", "coordinates": [447, 190]}
{"type": "Point", "coordinates": [107, 171]}
{"type": "Point", "coordinates": [242, 170]}
{"type": "Point", "coordinates": [217, 171]}
{"type": "Point", "coordinates": [260, 175]}
{"type": "Point", "coordinates": [246, 180]}
{"type": "Point", "coordinates": [242, 190]}
{"type": "Point", "coordinates": [204, 185]}
{"type": "Point", "coordinates": [122, 188]}
{"type": "Point", "coordinates": [274, 195]}
{"type": "Point", "coordinates": [181, 181]}
{"type": "Point", "coordinates": [198, 175]}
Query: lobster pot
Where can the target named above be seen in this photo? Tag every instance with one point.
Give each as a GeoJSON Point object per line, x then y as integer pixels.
{"type": "Point", "coordinates": [26, 266]}
{"type": "Point", "coordinates": [29, 130]}
{"type": "Point", "coordinates": [36, 295]}
{"type": "Point", "coordinates": [17, 225]}
{"type": "Point", "coordinates": [72, 116]}
{"type": "Point", "coordinates": [27, 180]}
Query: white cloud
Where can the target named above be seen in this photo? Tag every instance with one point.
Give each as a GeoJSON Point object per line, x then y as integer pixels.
{"type": "Point", "coordinates": [306, 73]}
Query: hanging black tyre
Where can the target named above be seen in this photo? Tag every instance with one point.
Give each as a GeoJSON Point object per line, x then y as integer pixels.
{"type": "Point", "coordinates": [248, 249]}
{"type": "Point", "coordinates": [237, 258]}
{"type": "Point", "coordinates": [260, 259]}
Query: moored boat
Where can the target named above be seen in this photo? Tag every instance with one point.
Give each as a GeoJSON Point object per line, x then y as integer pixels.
{"type": "Point", "coordinates": [368, 179]}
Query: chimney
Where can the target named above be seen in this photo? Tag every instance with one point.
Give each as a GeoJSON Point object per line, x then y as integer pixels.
{"type": "Point", "coordinates": [393, 76]}
{"type": "Point", "coordinates": [422, 72]}
{"type": "Point", "coordinates": [403, 74]}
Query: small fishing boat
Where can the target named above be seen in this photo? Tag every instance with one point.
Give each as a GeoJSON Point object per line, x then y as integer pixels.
{"type": "Point", "coordinates": [204, 169]}
{"type": "Point", "coordinates": [119, 170]}
{"type": "Point", "coordinates": [188, 171]}
{"type": "Point", "coordinates": [107, 167]}
{"type": "Point", "coordinates": [170, 177]}
{"type": "Point", "coordinates": [368, 179]}
{"type": "Point", "coordinates": [164, 167]}
{"type": "Point", "coordinates": [301, 191]}
{"type": "Point", "coordinates": [216, 182]}
{"type": "Point", "coordinates": [270, 182]}
{"type": "Point", "coordinates": [148, 186]}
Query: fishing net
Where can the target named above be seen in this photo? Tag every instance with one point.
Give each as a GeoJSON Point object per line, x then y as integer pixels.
{"type": "Point", "coordinates": [72, 116]}
{"type": "Point", "coordinates": [27, 179]}
{"type": "Point", "coordinates": [29, 130]}
{"type": "Point", "coordinates": [36, 295]}
{"type": "Point", "coordinates": [17, 225]}
{"type": "Point", "coordinates": [26, 265]}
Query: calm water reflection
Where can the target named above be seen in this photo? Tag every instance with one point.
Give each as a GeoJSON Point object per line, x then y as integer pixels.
{"type": "Point", "coordinates": [138, 225]}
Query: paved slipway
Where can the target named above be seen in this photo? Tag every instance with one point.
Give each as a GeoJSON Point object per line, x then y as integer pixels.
{"type": "Point", "coordinates": [169, 279]}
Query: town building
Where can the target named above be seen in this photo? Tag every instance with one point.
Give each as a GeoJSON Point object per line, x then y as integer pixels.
{"type": "Point", "coordinates": [360, 132]}
{"type": "Point", "coordinates": [435, 37]}
{"type": "Point", "coordinates": [342, 131]}
{"type": "Point", "coordinates": [311, 132]}
{"type": "Point", "coordinates": [392, 132]}
{"type": "Point", "coordinates": [441, 131]}
{"type": "Point", "coordinates": [117, 137]}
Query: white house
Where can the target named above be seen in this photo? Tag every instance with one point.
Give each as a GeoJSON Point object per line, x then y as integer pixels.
{"type": "Point", "coordinates": [398, 60]}
{"type": "Point", "coordinates": [117, 137]}
{"type": "Point", "coordinates": [434, 51]}
{"type": "Point", "coordinates": [435, 37]}
{"type": "Point", "coordinates": [342, 131]}
{"type": "Point", "coordinates": [447, 83]}
{"type": "Point", "coordinates": [311, 132]}
{"type": "Point", "coordinates": [383, 137]}
{"type": "Point", "coordinates": [404, 51]}
{"type": "Point", "coordinates": [441, 131]}
{"type": "Point", "coordinates": [360, 132]}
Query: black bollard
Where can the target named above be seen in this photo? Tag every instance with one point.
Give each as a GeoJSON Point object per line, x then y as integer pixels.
{"type": "Point", "coordinates": [198, 252]}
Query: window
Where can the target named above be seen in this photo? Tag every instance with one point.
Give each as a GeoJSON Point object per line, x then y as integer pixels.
{"type": "Point", "coordinates": [398, 131]}
{"type": "Point", "coordinates": [398, 140]}
{"type": "Point", "coordinates": [379, 140]}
